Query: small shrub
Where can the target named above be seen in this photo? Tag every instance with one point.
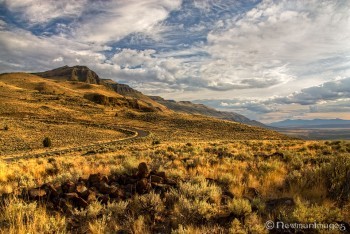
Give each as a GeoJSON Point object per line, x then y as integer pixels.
{"type": "Point", "coordinates": [6, 128]}
{"type": "Point", "coordinates": [240, 207]}
{"type": "Point", "coordinates": [156, 142]}
{"type": "Point", "coordinates": [47, 142]}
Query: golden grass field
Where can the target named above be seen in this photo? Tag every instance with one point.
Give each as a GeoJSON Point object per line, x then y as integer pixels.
{"type": "Point", "coordinates": [226, 177]}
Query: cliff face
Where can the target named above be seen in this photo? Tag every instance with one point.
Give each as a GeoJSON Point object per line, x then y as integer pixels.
{"type": "Point", "coordinates": [76, 73]}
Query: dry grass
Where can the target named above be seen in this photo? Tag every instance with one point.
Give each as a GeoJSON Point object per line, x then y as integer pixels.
{"type": "Point", "coordinates": [226, 172]}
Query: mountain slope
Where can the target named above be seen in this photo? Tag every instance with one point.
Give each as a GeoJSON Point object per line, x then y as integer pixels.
{"type": "Point", "coordinates": [132, 98]}
{"type": "Point", "coordinates": [192, 108]}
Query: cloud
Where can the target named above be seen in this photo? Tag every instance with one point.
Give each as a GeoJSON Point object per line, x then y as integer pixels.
{"type": "Point", "coordinates": [117, 19]}
{"type": "Point", "coordinates": [328, 91]}
{"type": "Point", "coordinates": [42, 11]}
{"type": "Point", "coordinates": [279, 42]}
{"type": "Point", "coordinates": [22, 49]}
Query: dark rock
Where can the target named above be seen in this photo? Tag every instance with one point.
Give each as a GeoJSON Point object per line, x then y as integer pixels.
{"type": "Point", "coordinates": [103, 198]}
{"type": "Point", "coordinates": [171, 182]}
{"type": "Point", "coordinates": [156, 179]}
{"type": "Point", "coordinates": [106, 189]}
{"type": "Point", "coordinates": [68, 187]}
{"type": "Point", "coordinates": [50, 190]}
{"type": "Point", "coordinates": [161, 174]}
{"type": "Point", "coordinates": [76, 200]}
{"type": "Point", "coordinates": [96, 179]}
{"type": "Point", "coordinates": [118, 193]}
{"type": "Point", "coordinates": [130, 188]}
{"type": "Point", "coordinates": [160, 188]}
{"type": "Point", "coordinates": [142, 186]}
{"type": "Point", "coordinates": [143, 170]}
{"type": "Point", "coordinates": [124, 180]}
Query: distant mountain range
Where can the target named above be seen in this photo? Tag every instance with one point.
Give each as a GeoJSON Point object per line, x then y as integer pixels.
{"type": "Point", "coordinates": [200, 109]}
{"type": "Point", "coordinates": [313, 123]}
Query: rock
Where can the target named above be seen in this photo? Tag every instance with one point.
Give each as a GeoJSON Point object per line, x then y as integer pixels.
{"type": "Point", "coordinates": [124, 180]}
{"type": "Point", "coordinates": [106, 189]}
{"type": "Point", "coordinates": [68, 187]}
{"type": "Point", "coordinates": [36, 193]}
{"type": "Point", "coordinates": [96, 179]}
{"type": "Point", "coordinates": [50, 190]}
{"type": "Point", "coordinates": [161, 174]}
{"type": "Point", "coordinates": [118, 193]}
{"type": "Point", "coordinates": [79, 202]}
{"type": "Point", "coordinates": [142, 170]}
{"type": "Point", "coordinates": [130, 188]}
{"type": "Point", "coordinates": [142, 186]}
{"type": "Point", "coordinates": [103, 198]}
{"type": "Point", "coordinates": [156, 179]}
{"type": "Point", "coordinates": [76, 200]}
{"type": "Point", "coordinates": [160, 188]}
{"type": "Point", "coordinates": [171, 182]}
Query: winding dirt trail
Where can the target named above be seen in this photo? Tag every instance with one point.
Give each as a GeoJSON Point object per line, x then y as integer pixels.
{"type": "Point", "coordinates": [134, 132]}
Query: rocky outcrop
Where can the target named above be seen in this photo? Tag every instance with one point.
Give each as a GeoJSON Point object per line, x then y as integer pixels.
{"type": "Point", "coordinates": [76, 73]}
{"type": "Point", "coordinates": [98, 187]}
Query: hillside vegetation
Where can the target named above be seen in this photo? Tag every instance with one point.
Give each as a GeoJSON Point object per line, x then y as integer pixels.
{"type": "Point", "coordinates": [184, 173]}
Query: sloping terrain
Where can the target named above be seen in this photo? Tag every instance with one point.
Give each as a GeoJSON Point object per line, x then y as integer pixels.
{"type": "Point", "coordinates": [185, 173]}
{"type": "Point", "coordinates": [29, 99]}
{"type": "Point", "coordinates": [201, 109]}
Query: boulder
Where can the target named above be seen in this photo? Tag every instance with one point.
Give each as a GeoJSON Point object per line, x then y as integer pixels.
{"type": "Point", "coordinates": [156, 179]}
{"type": "Point", "coordinates": [76, 200]}
{"type": "Point", "coordinates": [50, 190]}
{"type": "Point", "coordinates": [68, 187]}
{"type": "Point", "coordinates": [142, 186]}
{"type": "Point", "coordinates": [143, 170]}
{"type": "Point", "coordinates": [96, 179]}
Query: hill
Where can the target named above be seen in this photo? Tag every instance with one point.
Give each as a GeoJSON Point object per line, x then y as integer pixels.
{"type": "Point", "coordinates": [200, 109]}
{"type": "Point", "coordinates": [132, 98]}
{"type": "Point", "coordinates": [59, 98]}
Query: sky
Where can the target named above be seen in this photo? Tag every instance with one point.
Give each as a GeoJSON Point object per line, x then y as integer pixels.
{"type": "Point", "coordinates": [268, 60]}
